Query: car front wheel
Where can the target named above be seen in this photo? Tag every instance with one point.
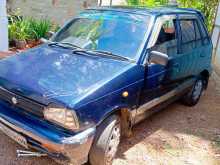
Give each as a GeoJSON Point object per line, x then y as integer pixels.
{"type": "Point", "coordinates": [106, 142]}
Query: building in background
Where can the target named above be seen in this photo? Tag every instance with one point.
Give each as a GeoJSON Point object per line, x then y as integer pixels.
{"type": "Point", "coordinates": [216, 40]}
{"type": "Point", "coordinates": [59, 11]}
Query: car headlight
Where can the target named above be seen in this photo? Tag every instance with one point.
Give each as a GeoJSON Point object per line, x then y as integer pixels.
{"type": "Point", "coordinates": [63, 117]}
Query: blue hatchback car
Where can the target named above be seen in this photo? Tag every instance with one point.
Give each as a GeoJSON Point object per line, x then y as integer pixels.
{"type": "Point", "coordinates": [74, 97]}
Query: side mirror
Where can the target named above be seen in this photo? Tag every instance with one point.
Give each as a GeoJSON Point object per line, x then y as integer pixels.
{"type": "Point", "coordinates": [44, 40]}
{"type": "Point", "coordinates": [158, 58]}
{"type": "Point", "coordinates": [48, 37]}
{"type": "Point", "coordinates": [50, 34]}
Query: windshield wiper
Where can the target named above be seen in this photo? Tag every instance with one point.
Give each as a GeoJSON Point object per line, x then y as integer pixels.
{"type": "Point", "coordinates": [57, 44]}
{"type": "Point", "coordinates": [65, 45]}
{"type": "Point", "coordinates": [84, 52]}
{"type": "Point", "coordinates": [71, 45]}
{"type": "Point", "coordinates": [101, 53]}
{"type": "Point", "coordinates": [110, 54]}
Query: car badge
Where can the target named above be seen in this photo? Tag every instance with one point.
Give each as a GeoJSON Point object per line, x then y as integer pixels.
{"type": "Point", "coordinates": [14, 100]}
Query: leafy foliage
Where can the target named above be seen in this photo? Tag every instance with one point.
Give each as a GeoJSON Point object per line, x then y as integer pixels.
{"type": "Point", "coordinates": [149, 3]}
{"type": "Point", "coordinates": [18, 28]}
{"type": "Point", "coordinates": [38, 28]}
{"type": "Point", "coordinates": [28, 28]}
{"type": "Point", "coordinates": [90, 31]}
{"type": "Point", "coordinates": [208, 7]}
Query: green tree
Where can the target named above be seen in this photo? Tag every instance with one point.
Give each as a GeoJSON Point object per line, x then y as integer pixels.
{"type": "Point", "coordinates": [149, 3]}
{"type": "Point", "coordinates": [208, 7]}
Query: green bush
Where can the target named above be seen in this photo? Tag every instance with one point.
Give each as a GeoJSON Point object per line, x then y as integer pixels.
{"type": "Point", "coordinates": [38, 28]}
{"type": "Point", "coordinates": [18, 28]}
{"type": "Point", "coordinates": [28, 28]}
{"type": "Point", "coordinates": [148, 3]}
{"type": "Point", "coordinates": [133, 2]}
{"type": "Point", "coordinates": [208, 8]}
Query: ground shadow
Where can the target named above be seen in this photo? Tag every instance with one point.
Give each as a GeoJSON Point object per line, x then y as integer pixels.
{"type": "Point", "coordinates": [201, 120]}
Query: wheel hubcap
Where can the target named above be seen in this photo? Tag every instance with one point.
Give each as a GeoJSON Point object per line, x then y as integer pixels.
{"type": "Point", "coordinates": [113, 144]}
{"type": "Point", "coordinates": [197, 90]}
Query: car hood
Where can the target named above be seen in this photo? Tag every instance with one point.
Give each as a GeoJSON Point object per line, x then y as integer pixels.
{"type": "Point", "coordinates": [47, 73]}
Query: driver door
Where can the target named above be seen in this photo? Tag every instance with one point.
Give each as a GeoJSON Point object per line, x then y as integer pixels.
{"type": "Point", "coordinates": [154, 87]}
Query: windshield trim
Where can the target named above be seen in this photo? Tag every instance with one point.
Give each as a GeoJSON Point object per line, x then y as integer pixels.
{"type": "Point", "coordinates": [145, 39]}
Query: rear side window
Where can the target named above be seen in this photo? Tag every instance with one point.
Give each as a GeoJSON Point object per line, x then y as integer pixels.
{"type": "Point", "coordinates": [191, 35]}
{"type": "Point", "coordinates": [187, 31]}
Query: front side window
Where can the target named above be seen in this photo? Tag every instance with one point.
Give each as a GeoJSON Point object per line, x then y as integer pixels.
{"type": "Point", "coordinates": [119, 33]}
{"type": "Point", "coordinates": [167, 39]}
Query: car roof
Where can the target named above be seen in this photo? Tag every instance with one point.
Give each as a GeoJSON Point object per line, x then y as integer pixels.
{"type": "Point", "coordinates": [149, 11]}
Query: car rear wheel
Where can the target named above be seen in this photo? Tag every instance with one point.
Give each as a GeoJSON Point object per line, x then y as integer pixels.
{"type": "Point", "coordinates": [106, 142]}
{"type": "Point", "coordinates": [192, 98]}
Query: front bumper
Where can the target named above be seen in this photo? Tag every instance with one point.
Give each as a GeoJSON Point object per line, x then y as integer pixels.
{"type": "Point", "coordinates": [62, 148]}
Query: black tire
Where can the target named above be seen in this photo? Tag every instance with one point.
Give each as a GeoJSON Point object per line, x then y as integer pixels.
{"type": "Point", "coordinates": [193, 96]}
{"type": "Point", "coordinates": [99, 153]}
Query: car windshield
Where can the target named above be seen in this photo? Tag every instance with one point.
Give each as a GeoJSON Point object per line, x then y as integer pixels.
{"type": "Point", "coordinates": [115, 32]}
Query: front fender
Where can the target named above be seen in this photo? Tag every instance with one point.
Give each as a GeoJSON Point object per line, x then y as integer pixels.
{"type": "Point", "coordinates": [95, 112]}
{"type": "Point", "coordinates": [116, 110]}
{"type": "Point", "coordinates": [99, 107]}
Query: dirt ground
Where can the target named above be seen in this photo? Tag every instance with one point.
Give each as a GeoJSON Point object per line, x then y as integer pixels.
{"type": "Point", "coordinates": [178, 135]}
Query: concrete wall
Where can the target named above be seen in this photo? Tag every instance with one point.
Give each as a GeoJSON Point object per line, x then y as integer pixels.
{"type": "Point", "coordinates": [216, 40]}
{"type": "Point", "coordinates": [57, 10]}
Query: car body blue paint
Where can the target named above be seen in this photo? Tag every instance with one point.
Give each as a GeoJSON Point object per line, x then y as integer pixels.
{"type": "Point", "coordinates": [55, 72]}
{"type": "Point", "coordinates": [90, 85]}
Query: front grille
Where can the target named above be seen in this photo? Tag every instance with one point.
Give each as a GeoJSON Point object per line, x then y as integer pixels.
{"type": "Point", "coordinates": [21, 102]}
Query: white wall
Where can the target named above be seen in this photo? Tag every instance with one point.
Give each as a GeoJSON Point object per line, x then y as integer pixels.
{"type": "Point", "coordinates": [216, 40]}
{"type": "Point", "coordinates": [3, 27]}
{"type": "Point", "coordinates": [59, 11]}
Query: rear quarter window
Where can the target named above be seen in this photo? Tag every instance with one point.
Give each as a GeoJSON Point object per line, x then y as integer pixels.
{"type": "Point", "coordinates": [197, 31]}
{"type": "Point", "coordinates": [204, 33]}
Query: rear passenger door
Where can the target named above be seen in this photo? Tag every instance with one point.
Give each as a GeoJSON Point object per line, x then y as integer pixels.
{"type": "Point", "coordinates": [189, 61]}
{"type": "Point", "coordinates": [206, 46]}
